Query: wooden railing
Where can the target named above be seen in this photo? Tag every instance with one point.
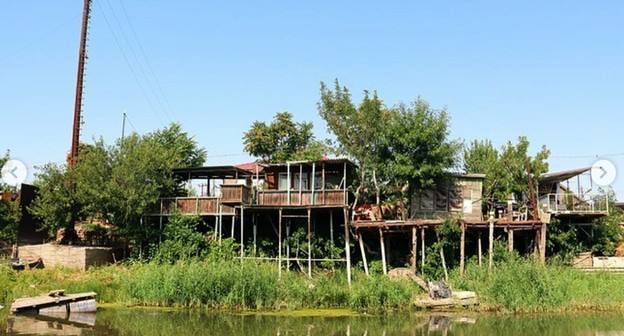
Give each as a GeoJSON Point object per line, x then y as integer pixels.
{"type": "Point", "coordinates": [307, 197]}
{"type": "Point", "coordinates": [573, 204]}
{"type": "Point", "coordinates": [235, 194]}
{"type": "Point", "coordinates": [201, 205]}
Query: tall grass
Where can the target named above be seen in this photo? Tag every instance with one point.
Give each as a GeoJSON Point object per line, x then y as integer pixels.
{"type": "Point", "coordinates": [524, 285]}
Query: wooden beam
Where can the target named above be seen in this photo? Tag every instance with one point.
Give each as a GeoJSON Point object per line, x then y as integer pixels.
{"type": "Point", "coordinates": [543, 243]}
{"type": "Point", "coordinates": [279, 244]}
{"type": "Point", "coordinates": [309, 246]}
{"type": "Point", "coordinates": [479, 250]}
{"type": "Point", "coordinates": [347, 245]}
{"type": "Point", "coordinates": [422, 243]}
{"type": "Point", "coordinates": [255, 233]}
{"type": "Point", "coordinates": [510, 240]}
{"type": "Point", "coordinates": [361, 241]}
{"type": "Point", "coordinates": [414, 248]}
{"type": "Point", "coordinates": [383, 251]}
{"type": "Point", "coordinates": [242, 242]}
{"type": "Point", "coordinates": [491, 243]}
{"type": "Point", "coordinates": [462, 248]}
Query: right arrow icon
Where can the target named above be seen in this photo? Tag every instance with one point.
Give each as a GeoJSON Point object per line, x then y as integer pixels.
{"type": "Point", "coordinates": [603, 172]}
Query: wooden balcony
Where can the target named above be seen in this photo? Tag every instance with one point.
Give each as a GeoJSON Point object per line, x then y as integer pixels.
{"type": "Point", "coordinates": [235, 194]}
{"type": "Point", "coordinates": [202, 205]}
{"type": "Point", "coordinates": [303, 198]}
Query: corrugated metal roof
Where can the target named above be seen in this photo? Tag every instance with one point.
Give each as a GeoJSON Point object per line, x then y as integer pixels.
{"type": "Point", "coordinates": [562, 175]}
{"type": "Point", "coordinates": [211, 172]}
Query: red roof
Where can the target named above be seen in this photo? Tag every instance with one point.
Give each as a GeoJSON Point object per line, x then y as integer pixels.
{"type": "Point", "coordinates": [249, 166]}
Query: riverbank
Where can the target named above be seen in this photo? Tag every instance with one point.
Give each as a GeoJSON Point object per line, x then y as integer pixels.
{"type": "Point", "coordinates": [515, 286]}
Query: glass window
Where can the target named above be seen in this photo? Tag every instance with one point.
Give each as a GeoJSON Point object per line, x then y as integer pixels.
{"type": "Point", "coordinates": [318, 181]}
{"type": "Point", "coordinates": [304, 181]}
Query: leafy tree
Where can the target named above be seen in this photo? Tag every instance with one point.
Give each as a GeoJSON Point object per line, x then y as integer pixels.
{"type": "Point", "coordinates": [403, 149]}
{"type": "Point", "coordinates": [181, 240]}
{"type": "Point", "coordinates": [9, 211]}
{"type": "Point", "coordinates": [415, 150]}
{"type": "Point", "coordinates": [504, 169]}
{"type": "Point", "coordinates": [118, 183]}
{"type": "Point", "coordinates": [283, 140]}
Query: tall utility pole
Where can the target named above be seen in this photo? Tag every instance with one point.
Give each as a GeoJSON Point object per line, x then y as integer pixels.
{"type": "Point", "coordinates": [82, 55]}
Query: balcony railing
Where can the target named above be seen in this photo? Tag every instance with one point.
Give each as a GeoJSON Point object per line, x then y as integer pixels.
{"type": "Point", "coordinates": [201, 205]}
{"type": "Point", "coordinates": [305, 197]}
{"type": "Point", "coordinates": [235, 194]}
{"type": "Point", "coordinates": [572, 204]}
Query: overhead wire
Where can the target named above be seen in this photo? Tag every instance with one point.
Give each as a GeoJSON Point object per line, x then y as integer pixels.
{"type": "Point", "coordinates": [149, 65]}
{"type": "Point", "coordinates": [123, 53]}
{"type": "Point", "coordinates": [130, 46]}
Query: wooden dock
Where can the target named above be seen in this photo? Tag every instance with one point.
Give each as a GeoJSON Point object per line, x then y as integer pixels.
{"type": "Point", "coordinates": [56, 302]}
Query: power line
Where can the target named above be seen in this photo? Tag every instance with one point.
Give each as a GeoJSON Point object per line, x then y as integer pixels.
{"type": "Point", "coordinates": [138, 62]}
{"type": "Point", "coordinates": [149, 65]}
{"type": "Point", "coordinates": [584, 156]}
{"type": "Point", "coordinates": [134, 75]}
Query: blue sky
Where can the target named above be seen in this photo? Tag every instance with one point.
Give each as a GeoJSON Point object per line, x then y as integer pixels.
{"type": "Point", "coordinates": [550, 70]}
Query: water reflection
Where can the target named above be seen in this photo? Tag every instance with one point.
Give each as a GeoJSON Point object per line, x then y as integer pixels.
{"type": "Point", "coordinates": [180, 323]}
{"type": "Point", "coordinates": [50, 324]}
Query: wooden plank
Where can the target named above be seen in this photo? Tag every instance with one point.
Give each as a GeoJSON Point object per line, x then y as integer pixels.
{"type": "Point", "coordinates": [361, 241]}
{"type": "Point", "coordinates": [414, 248]}
{"type": "Point", "coordinates": [462, 249]}
{"type": "Point", "coordinates": [43, 301]}
{"type": "Point", "coordinates": [383, 251]}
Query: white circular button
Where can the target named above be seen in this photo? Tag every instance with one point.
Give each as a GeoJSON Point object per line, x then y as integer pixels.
{"type": "Point", "coordinates": [603, 172]}
{"type": "Point", "coordinates": [14, 173]}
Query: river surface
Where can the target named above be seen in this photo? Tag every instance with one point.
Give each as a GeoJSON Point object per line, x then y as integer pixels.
{"type": "Point", "coordinates": [109, 321]}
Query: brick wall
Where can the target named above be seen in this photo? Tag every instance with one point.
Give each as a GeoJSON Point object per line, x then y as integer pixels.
{"type": "Point", "coordinates": [81, 257]}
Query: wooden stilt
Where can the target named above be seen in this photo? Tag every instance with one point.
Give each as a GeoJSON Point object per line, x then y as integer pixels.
{"type": "Point", "coordinates": [479, 250]}
{"type": "Point", "coordinates": [422, 250]}
{"type": "Point", "coordinates": [388, 249]}
{"type": "Point", "coordinates": [309, 245]}
{"type": "Point", "coordinates": [538, 240]}
{"type": "Point", "coordinates": [414, 249]}
{"type": "Point", "coordinates": [255, 234]}
{"type": "Point", "coordinates": [331, 225]}
{"type": "Point", "coordinates": [491, 243]}
{"type": "Point", "coordinates": [242, 242]}
{"type": "Point", "coordinates": [233, 224]}
{"type": "Point", "coordinates": [543, 243]}
{"type": "Point", "coordinates": [361, 241]}
{"type": "Point", "coordinates": [347, 244]}
{"type": "Point", "coordinates": [462, 248]}
{"type": "Point", "coordinates": [279, 244]}
{"type": "Point", "coordinates": [287, 240]}
{"type": "Point", "coordinates": [383, 251]}
{"type": "Point", "coordinates": [510, 239]}
{"type": "Point", "coordinates": [443, 260]}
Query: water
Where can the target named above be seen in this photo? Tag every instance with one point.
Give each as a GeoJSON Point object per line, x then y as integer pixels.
{"type": "Point", "coordinates": [181, 323]}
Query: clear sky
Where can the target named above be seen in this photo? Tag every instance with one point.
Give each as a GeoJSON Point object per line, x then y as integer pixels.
{"type": "Point", "coordinates": [550, 70]}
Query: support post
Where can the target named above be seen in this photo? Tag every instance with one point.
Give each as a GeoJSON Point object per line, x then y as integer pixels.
{"type": "Point", "coordinates": [255, 234]}
{"type": "Point", "coordinates": [347, 245]}
{"type": "Point", "coordinates": [491, 242]}
{"type": "Point", "coordinates": [361, 241]}
{"type": "Point", "coordinates": [313, 184]}
{"type": "Point", "coordinates": [510, 239]}
{"type": "Point", "coordinates": [422, 244]}
{"type": "Point", "coordinates": [300, 183]}
{"type": "Point", "coordinates": [279, 244]}
{"type": "Point", "coordinates": [309, 245]}
{"type": "Point", "coordinates": [288, 221]}
{"type": "Point", "coordinates": [242, 242]}
{"type": "Point", "coordinates": [462, 249]}
{"type": "Point", "coordinates": [233, 225]}
{"type": "Point", "coordinates": [287, 182]}
{"type": "Point", "coordinates": [479, 250]}
{"type": "Point", "coordinates": [543, 244]}
{"type": "Point", "coordinates": [383, 251]}
{"type": "Point", "coordinates": [414, 249]}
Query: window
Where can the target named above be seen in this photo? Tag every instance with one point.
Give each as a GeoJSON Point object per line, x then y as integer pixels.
{"type": "Point", "coordinates": [318, 181]}
{"type": "Point", "coordinates": [304, 181]}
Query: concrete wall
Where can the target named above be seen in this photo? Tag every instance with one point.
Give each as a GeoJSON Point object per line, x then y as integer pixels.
{"type": "Point", "coordinates": [81, 257]}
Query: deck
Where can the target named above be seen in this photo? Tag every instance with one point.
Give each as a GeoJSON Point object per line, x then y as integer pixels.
{"type": "Point", "coordinates": [301, 198]}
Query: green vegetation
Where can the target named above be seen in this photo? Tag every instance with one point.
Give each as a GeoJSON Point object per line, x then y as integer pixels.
{"type": "Point", "coordinates": [213, 284]}
{"type": "Point", "coordinates": [283, 140]}
{"type": "Point", "coordinates": [504, 169]}
{"type": "Point", "coordinates": [403, 149]}
{"type": "Point", "coordinates": [9, 211]}
{"type": "Point", "coordinates": [524, 285]}
{"type": "Point", "coordinates": [116, 183]}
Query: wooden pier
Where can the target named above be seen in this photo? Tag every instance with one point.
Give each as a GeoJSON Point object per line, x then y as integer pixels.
{"type": "Point", "coordinates": [56, 302]}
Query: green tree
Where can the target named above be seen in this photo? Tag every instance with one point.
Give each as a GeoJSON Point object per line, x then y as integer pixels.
{"type": "Point", "coordinates": [504, 169]}
{"type": "Point", "coordinates": [9, 210]}
{"type": "Point", "coordinates": [403, 149]}
{"type": "Point", "coordinates": [283, 140]}
{"type": "Point", "coordinates": [119, 183]}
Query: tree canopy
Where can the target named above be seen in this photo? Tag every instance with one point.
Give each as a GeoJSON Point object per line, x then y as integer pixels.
{"type": "Point", "coordinates": [504, 169]}
{"type": "Point", "coordinates": [283, 140]}
{"type": "Point", "coordinates": [118, 183]}
{"type": "Point", "coordinates": [9, 210]}
{"type": "Point", "coordinates": [404, 148]}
